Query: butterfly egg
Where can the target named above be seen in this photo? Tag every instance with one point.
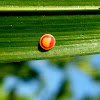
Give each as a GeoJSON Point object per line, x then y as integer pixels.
{"type": "Point", "coordinates": [47, 41]}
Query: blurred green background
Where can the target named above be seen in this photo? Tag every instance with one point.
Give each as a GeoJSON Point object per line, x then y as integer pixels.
{"type": "Point", "coordinates": [76, 78]}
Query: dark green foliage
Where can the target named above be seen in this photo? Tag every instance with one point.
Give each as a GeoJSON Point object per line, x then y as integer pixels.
{"type": "Point", "coordinates": [19, 69]}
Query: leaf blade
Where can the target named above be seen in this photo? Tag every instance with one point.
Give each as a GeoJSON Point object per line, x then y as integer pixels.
{"type": "Point", "coordinates": [75, 35]}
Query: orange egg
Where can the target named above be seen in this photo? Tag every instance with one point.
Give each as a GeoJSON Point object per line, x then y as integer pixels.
{"type": "Point", "coordinates": [47, 41]}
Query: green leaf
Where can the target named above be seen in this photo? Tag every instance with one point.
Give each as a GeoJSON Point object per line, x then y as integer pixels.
{"type": "Point", "coordinates": [75, 24]}
{"type": "Point", "coordinates": [50, 2]}
{"type": "Point", "coordinates": [75, 35]}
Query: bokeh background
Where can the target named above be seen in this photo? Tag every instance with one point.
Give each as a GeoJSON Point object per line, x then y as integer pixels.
{"type": "Point", "coordinates": [76, 78]}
